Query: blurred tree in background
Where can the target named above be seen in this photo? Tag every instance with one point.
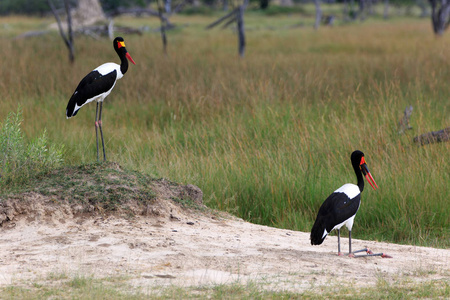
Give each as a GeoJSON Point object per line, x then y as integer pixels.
{"type": "Point", "coordinates": [27, 7]}
{"type": "Point", "coordinates": [109, 5]}
{"type": "Point", "coordinates": [353, 9]}
{"type": "Point", "coordinates": [41, 7]}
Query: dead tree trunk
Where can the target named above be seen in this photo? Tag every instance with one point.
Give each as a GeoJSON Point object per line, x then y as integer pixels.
{"type": "Point", "coordinates": [68, 39]}
{"type": "Point", "coordinates": [240, 28]}
{"type": "Point", "coordinates": [237, 15]}
{"type": "Point", "coordinates": [163, 26]}
{"type": "Point", "coordinates": [433, 137]}
{"type": "Point", "coordinates": [318, 14]}
{"type": "Point", "coordinates": [386, 9]}
{"type": "Point", "coordinates": [440, 10]}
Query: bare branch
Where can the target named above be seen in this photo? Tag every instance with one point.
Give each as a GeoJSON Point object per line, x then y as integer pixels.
{"type": "Point", "coordinates": [230, 21]}
{"type": "Point", "coordinates": [68, 40]}
{"type": "Point", "coordinates": [58, 21]}
{"type": "Point", "coordinates": [69, 29]}
{"type": "Point", "coordinates": [228, 15]}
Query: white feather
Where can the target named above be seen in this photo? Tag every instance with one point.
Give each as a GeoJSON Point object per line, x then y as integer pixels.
{"type": "Point", "coordinates": [108, 68]}
{"type": "Point", "coordinates": [348, 223]}
{"type": "Point", "coordinates": [350, 189]}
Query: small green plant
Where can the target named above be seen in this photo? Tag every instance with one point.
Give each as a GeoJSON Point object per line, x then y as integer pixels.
{"type": "Point", "coordinates": [79, 281]}
{"type": "Point", "coordinates": [19, 160]}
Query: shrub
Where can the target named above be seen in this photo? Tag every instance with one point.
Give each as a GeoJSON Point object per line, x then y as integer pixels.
{"type": "Point", "coordinates": [19, 160]}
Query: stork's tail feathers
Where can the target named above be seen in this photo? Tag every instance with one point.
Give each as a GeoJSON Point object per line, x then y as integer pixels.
{"type": "Point", "coordinates": [318, 232]}
{"type": "Point", "coordinates": [72, 109]}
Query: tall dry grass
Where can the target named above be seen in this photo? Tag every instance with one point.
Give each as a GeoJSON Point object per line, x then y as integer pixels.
{"type": "Point", "coordinates": [267, 137]}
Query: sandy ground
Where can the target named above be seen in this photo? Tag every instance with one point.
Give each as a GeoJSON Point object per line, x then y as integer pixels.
{"type": "Point", "coordinates": [191, 248]}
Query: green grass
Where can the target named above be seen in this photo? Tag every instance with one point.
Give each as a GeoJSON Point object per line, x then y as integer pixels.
{"type": "Point", "coordinates": [267, 137]}
{"type": "Point", "coordinates": [76, 286]}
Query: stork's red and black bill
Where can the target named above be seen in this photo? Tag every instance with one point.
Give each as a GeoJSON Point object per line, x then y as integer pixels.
{"type": "Point", "coordinates": [366, 172]}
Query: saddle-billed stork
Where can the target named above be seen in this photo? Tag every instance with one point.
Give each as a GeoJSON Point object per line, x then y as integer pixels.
{"type": "Point", "coordinates": [96, 85]}
{"type": "Point", "coordinates": [341, 206]}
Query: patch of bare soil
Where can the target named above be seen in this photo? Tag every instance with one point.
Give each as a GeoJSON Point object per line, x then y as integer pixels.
{"type": "Point", "coordinates": [170, 244]}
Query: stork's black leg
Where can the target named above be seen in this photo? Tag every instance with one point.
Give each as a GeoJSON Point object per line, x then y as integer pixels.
{"type": "Point", "coordinates": [352, 254]}
{"type": "Point", "coordinates": [339, 242]}
{"type": "Point", "coordinates": [369, 253]}
{"type": "Point", "coordinates": [367, 250]}
{"type": "Point", "coordinates": [96, 130]}
{"type": "Point", "coordinates": [101, 131]}
{"type": "Point", "coordinates": [349, 240]}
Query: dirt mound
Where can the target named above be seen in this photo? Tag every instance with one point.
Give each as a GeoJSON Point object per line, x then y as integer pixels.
{"type": "Point", "coordinates": [96, 189]}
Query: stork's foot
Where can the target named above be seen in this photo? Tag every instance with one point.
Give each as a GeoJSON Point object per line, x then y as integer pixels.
{"type": "Point", "coordinates": [368, 253]}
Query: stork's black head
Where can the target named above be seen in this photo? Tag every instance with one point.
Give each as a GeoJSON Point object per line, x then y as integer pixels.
{"type": "Point", "coordinates": [359, 163]}
{"type": "Point", "coordinates": [356, 157]}
{"type": "Point", "coordinates": [119, 46]}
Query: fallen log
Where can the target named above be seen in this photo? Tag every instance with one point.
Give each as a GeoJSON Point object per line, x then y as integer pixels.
{"type": "Point", "coordinates": [433, 137]}
{"type": "Point", "coordinates": [31, 34]}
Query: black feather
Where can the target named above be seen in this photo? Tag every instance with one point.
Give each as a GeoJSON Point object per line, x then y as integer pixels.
{"type": "Point", "coordinates": [337, 208]}
{"type": "Point", "coordinates": [92, 85]}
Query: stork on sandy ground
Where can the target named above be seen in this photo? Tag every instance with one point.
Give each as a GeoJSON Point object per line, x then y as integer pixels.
{"type": "Point", "coordinates": [341, 206]}
{"type": "Point", "coordinates": [96, 85]}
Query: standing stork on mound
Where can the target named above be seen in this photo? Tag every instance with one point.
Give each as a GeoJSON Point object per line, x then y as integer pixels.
{"type": "Point", "coordinates": [341, 206]}
{"type": "Point", "coordinates": [96, 85]}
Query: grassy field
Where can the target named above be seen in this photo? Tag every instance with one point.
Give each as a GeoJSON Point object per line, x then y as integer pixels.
{"type": "Point", "coordinates": [64, 286]}
{"type": "Point", "coordinates": [267, 137]}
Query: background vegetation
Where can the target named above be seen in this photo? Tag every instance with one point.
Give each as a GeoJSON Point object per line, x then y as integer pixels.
{"type": "Point", "coordinates": [19, 160]}
{"type": "Point", "coordinates": [41, 7]}
{"type": "Point", "coordinates": [267, 137]}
